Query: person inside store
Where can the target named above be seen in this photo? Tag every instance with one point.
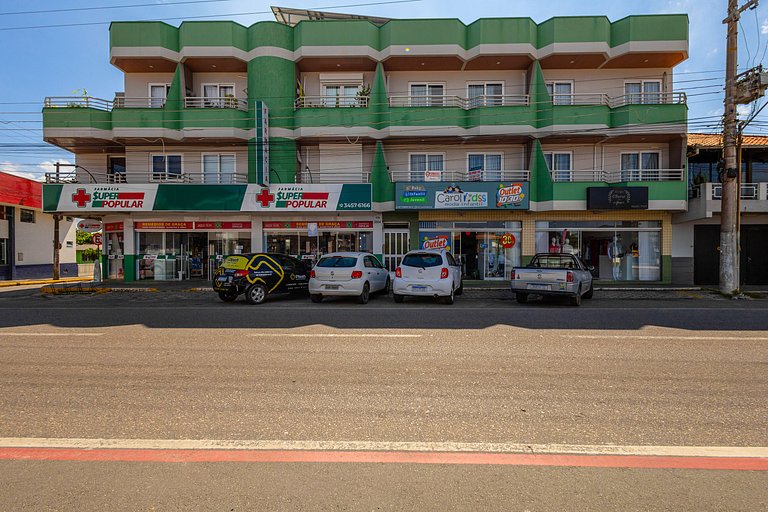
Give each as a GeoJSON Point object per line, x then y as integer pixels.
{"type": "Point", "coordinates": [615, 254]}
{"type": "Point", "coordinates": [553, 245]}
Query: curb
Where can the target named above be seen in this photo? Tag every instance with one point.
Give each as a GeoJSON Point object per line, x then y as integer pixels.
{"type": "Point", "coordinates": [8, 284]}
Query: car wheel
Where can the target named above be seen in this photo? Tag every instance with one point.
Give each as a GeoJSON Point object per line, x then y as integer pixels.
{"type": "Point", "coordinates": [522, 298]}
{"type": "Point", "coordinates": [316, 298]}
{"type": "Point", "coordinates": [460, 289]}
{"type": "Point", "coordinates": [576, 300]}
{"type": "Point", "coordinates": [387, 284]}
{"type": "Point", "coordinates": [449, 299]}
{"type": "Point", "coordinates": [256, 294]}
{"type": "Point", "coordinates": [398, 298]}
{"type": "Point", "coordinates": [590, 292]}
{"type": "Point", "coordinates": [228, 296]}
{"type": "Point", "coordinates": [366, 293]}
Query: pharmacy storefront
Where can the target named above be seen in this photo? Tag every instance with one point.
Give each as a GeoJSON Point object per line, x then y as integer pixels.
{"type": "Point", "coordinates": [487, 240]}
{"type": "Point", "coordinates": [176, 232]}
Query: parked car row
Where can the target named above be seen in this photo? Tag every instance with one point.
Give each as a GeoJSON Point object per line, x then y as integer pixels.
{"type": "Point", "coordinates": [345, 274]}
{"type": "Point", "coordinates": [422, 273]}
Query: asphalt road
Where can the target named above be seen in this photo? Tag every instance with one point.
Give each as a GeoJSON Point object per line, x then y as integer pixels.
{"type": "Point", "coordinates": [172, 366]}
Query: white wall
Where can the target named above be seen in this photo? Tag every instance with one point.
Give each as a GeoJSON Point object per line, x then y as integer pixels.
{"type": "Point", "coordinates": [35, 241]}
{"type": "Point", "coordinates": [138, 159]}
{"type": "Point", "coordinates": [605, 156]}
{"type": "Point", "coordinates": [456, 81]}
{"type": "Point", "coordinates": [137, 84]}
{"type": "Point", "coordinates": [608, 81]}
{"type": "Point", "coordinates": [455, 159]}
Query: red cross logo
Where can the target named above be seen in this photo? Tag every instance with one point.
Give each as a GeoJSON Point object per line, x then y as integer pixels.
{"type": "Point", "coordinates": [264, 197]}
{"type": "Point", "coordinates": [81, 198]}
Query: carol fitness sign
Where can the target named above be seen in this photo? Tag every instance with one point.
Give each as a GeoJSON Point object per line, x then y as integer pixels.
{"type": "Point", "coordinates": [462, 195]}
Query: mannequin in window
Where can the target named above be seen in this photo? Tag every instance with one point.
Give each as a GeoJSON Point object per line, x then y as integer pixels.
{"type": "Point", "coordinates": [616, 253]}
{"type": "Point", "coordinates": [567, 247]}
{"type": "Point", "coordinates": [553, 245]}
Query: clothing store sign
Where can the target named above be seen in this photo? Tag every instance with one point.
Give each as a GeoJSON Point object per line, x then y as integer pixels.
{"type": "Point", "coordinates": [617, 198]}
{"type": "Point", "coordinates": [462, 195]}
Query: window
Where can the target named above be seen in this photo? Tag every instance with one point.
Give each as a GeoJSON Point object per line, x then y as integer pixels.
{"type": "Point", "coordinates": [641, 166]}
{"type": "Point", "coordinates": [157, 95]}
{"type": "Point", "coordinates": [426, 166]}
{"type": "Point", "coordinates": [116, 169]}
{"type": "Point", "coordinates": [340, 95]}
{"type": "Point", "coordinates": [3, 251]}
{"type": "Point", "coordinates": [559, 166]}
{"type": "Point", "coordinates": [427, 95]}
{"type": "Point", "coordinates": [27, 216]}
{"type": "Point", "coordinates": [644, 91]}
{"type": "Point", "coordinates": [484, 167]}
{"type": "Point", "coordinates": [485, 95]}
{"type": "Point", "coordinates": [219, 168]}
{"type": "Point", "coordinates": [561, 92]}
{"type": "Point", "coordinates": [219, 96]}
{"type": "Point", "coordinates": [166, 167]}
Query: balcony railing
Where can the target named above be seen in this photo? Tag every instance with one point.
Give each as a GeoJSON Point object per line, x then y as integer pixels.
{"type": "Point", "coordinates": [361, 176]}
{"type": "Point", "coordinates": [90, 177]}
{"type": "Point", "coordinates": [618, 176]}
{"type": "Point", "coordinates": [452, 175]}
{"type": "Point", "coordinates": [123, 102]}
{"type": "Point", "coordinates": [331, 102]}
{"type": "Point", "coordinates": [749, 191]}
{"type": "Point", "coordinates": [459, 102]}
{"type": "Point", "coordinates": [223, 102]}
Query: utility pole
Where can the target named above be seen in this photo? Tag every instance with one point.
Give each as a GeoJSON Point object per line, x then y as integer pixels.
{"type": "Point", "coordinates": [730, 253]}
{"type": "Point", "coordinates": [56, 243]}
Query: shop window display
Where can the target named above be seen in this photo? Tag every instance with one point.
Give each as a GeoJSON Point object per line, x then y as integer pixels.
{"type": "Point", "coordinates": [621, 251]}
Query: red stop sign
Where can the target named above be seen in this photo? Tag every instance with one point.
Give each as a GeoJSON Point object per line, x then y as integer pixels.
{"type": "Point", "coordinates": [507, 240]}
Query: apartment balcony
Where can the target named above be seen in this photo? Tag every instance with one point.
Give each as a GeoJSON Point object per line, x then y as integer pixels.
{"type": "Point", "coordinates": [351, 176]}
{"type": "Point", "coordinates": [98, 118]}
{"type": "Point", "coordinates": [459, 102]}
{"type": "Point", "coordinates": [618, 176]}
{"type": "Point", "coordinates": [706, 200]}
{"type": "Point", "coordinates": [83, 176]}
{"type": "Point", "coordinates": [336, 112]}
{"type": "Point", "coordinates": [453, 175]}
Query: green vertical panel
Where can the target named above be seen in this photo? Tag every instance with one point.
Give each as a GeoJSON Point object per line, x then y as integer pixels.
{"type": "Point", "coordinates": [174, 103]}
{"type": "Point", "coordinates": [666, 269]}
{"type": "Point", "coordinates": [541, 101]}
{"type": "Point", "coordinates": [379, 102]}
{"type": "Point", "coordinates": [383, 188]}
{"type": "Point", "coordinates": [129, 267]}
{"type": "Point", "coordinates": [541, 182]}
{"type": "Point", "coordinates": [273, 81]}
{"type": "Point", "coordinates": [253, 164]}
{"type": "Point", "coordinates": [282, 160]}
{"type": "Point", "coordinates": [270, 33]}
{"type": "Point", "coordinates": [262, 174]}
{"type": "Point", "coordinates": [51, 195]}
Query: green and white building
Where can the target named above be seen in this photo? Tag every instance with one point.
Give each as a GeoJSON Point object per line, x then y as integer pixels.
{"type": "Point", "coordinates": [498, 139]}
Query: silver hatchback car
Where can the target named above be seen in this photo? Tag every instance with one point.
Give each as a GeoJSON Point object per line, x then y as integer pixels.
{"type": "Point", "coordinates": [351, 274]}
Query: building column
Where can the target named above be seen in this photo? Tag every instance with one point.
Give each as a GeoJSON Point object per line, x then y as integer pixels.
{"type": "Point", "coordinates": [257, 235]}
{"type": "Point", "coordinates": [129, 246]}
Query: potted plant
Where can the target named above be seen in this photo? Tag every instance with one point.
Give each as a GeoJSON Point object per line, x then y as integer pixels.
{"type": "Point", "coordinates": [362, 95]}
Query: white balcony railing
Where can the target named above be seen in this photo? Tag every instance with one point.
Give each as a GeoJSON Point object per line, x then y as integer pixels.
{"type": "Point", "coordinates": [331, 102]}
{"type": "Point", "coordinates": [649, 98]}
{"type": "Point", "coordinates": [459, 102]}
{"type": "Point", "coordinates": [581, 99]}
{"type": "Point", "coordinates": [90, 177]}
{"type": "Point", "coordinates": [453, 175]}
{"type": "Point", "coordinates": [618, 176]}
{"type": "Point", "coordinates": [749, 191]}
{"type": "Point", "coordinates": [361, 176]}
{"type": "Point", "coordinates": [123, 102]}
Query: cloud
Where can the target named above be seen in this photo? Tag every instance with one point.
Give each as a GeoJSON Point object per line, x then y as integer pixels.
{"type": "Point", "coordinates": [764, 27]}
{"type": "Point", "coordinates": [32, 172]}
{"type": "Point", "coordinates": [744, 110]}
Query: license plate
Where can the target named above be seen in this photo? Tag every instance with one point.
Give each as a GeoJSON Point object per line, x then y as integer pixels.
{"type": "Point", "coordinates": [538, 287]}
{"type": "Point", "coordinates": [331, 287]}
{"type": "Point", "coordinates": [224, 279]}
{"type": "Point", "coordinates": [418, 287]}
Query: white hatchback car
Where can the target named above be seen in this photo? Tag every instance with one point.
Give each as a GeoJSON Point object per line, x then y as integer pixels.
{"type": "Point", "coordinates": [356, 274]}
{"type": "Point", "coordinates": [428, 273]}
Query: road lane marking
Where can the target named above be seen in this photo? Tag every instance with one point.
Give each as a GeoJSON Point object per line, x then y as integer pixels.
{"type": "Point", "coordinates": [83, 334]}
{"type": "Point", "coordinates": [670, 337]}
{"type": "Point", "coordinates": [331, 335]}
{"type": "Point", "coordinates": [723, 458]}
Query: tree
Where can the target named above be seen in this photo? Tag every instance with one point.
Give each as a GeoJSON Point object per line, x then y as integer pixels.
{"type": "Point", "coordinates": [83, 238]}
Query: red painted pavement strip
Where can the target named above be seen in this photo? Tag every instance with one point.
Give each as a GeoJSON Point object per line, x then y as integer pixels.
{"type": "Point", "coordinates": [511, 459]}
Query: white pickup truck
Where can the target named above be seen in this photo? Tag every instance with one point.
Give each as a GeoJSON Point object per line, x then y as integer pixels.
{"type": "Point", "coordinates": [553, 274]}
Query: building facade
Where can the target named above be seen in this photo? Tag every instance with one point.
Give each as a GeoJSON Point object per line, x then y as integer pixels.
{"type": "Point", "coordinates": [497, 140]}
{"type": "Point", "coordinates": [697, 231]}
{"type": "Point", "coordinates": [26, 233]}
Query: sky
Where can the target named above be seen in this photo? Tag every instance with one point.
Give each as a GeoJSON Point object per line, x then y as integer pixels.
{"type": "Point", "coordinates": [61, 47]}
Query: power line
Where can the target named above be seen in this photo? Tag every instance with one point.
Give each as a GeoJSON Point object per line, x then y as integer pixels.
{"type": "Point", "coordinates": [112, 7]}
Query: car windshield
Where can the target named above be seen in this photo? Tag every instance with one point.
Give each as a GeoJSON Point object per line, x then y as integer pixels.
{"type": "Point", "coordinates": [423, 260]}
{"type": "Point", "coordinates": [337, 261]}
